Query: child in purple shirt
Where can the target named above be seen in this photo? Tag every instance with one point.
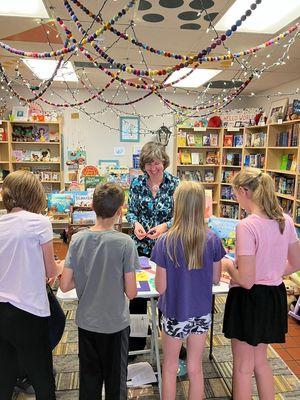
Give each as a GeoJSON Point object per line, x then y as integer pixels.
{"type": "Point", "coordinates": [188, 263]}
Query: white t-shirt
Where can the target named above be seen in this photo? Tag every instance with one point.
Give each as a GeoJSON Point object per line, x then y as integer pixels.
{"type": "Point", "coordinates": [22, 268]}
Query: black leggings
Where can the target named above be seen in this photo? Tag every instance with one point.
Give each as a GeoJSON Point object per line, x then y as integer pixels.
{"type": "Point", "coordinates": [24, 339]}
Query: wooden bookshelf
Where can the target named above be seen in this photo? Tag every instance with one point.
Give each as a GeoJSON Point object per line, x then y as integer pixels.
{"type": "Point", "coordinates": [274, 148]}
{"type": "Point", "coordinates": [24, 137]}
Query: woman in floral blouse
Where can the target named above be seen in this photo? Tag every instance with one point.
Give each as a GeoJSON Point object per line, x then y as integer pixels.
{"type": "Point", "coordinates": [150, 211]}
{"type": "Point", "coordinates": [150, 205]}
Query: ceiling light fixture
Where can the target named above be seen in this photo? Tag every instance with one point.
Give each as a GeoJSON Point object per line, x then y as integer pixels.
{"type": "Point", "coordinates": [28, 8]}
{"type": "Point", "coordinates": [197, 78]}
{"type": "Point", "coordinates": [269, 17]}
{"type": "Point", "coordinates": [44, 69]}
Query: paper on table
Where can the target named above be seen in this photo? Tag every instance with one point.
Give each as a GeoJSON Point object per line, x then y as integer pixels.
{"type": "Point", "coordinates": [144, 262]}
{"type": "Point", "coordinates": [140, 374]}
{"type": "Point", "coordinates": [139, 325]}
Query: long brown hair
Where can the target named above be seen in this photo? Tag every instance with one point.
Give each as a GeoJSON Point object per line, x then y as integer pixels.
{"type": "Point", "coordinates": [188, 228]}
{"type": "Point", "coordinates": [263, 192]}
{"type": "Point", "coordinates": [23, 189]}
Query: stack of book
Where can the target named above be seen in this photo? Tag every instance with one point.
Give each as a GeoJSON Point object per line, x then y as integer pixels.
{"type": "Point", "coordinates": [284, 185]}
{"type": "Point", "coordinates": [288, 162]}
{"type": "Point", "coordinates": [288, 138]}
{"type": "Point", "coordinates": [232, 158]}
{"type": "Point", "coordinates": [257, 139]}
{"type": "Point", "coordinates": [227, 176]}
{"type": "Point", "coordinates": [203, 175]}
{"type": "Point", "coordinates": [254, 160]}
{"type": "Point", "coordinates": [231, 140]}
{"type": "Point", "coordinates": [229, 211]}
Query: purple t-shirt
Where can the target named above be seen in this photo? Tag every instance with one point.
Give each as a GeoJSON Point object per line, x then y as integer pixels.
{"type": "Point", "coordinates": [189, 292]}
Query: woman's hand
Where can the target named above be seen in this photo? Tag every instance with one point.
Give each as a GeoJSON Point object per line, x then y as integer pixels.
{"type": "Point", "coordinates": [157, 231]}
{"type": "Point", "coordinates": [139, 231]}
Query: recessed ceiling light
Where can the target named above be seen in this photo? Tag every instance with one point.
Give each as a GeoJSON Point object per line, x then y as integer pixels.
{"type": "Point", "coordinates": [44, 69]}
{"type": "Point", "coordinates": [269, 16]}
{"type": "Point", "coordinates": [195, 79]}
{"type": "Point", "coordinates": [28, 8]}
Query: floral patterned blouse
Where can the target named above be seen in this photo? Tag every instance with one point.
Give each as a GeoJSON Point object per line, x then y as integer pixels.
{"type": "Point", "coordinates": [150, 211]}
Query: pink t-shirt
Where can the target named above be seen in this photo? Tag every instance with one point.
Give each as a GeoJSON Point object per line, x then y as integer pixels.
{"type": "Point", "coordinates": [22, 269]}
{"type": "Point", "coordinates": [261, 237]}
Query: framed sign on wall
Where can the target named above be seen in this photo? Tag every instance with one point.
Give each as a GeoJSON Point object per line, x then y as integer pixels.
{"type": "Point", "coordinates": [130, 129]}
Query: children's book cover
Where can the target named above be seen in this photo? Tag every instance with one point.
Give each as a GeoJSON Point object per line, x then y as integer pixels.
{"type": "Point", "coordinates": [59, 203]}
{"type": "Point", "coordinates": [224, 228]}
{"type": "Point", "coordinates": [84, 217]}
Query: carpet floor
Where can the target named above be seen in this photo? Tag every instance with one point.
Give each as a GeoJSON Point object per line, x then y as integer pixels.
{"type": "Point", "coordinates": [217, 375]}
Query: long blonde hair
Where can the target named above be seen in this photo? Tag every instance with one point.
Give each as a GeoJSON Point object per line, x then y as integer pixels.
{"type": "Point", "coordinates": [263, 192]}
{"type": "Point", "coordinates": [188, 228]}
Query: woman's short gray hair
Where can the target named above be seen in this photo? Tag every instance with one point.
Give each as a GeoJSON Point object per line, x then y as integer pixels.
{"type": "Point", "coordinates": [152, 151]}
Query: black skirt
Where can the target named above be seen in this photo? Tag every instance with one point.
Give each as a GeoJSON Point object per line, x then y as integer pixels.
{"type": "Point", "coordinates": [257, 315]}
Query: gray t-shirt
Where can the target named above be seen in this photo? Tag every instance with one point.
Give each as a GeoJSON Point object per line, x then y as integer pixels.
{"type": "Point", "coordinates": [99, 260]}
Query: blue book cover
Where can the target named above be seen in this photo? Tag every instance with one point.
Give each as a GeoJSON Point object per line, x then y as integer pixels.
{"type": "Point", "coordinates": [224, 228]}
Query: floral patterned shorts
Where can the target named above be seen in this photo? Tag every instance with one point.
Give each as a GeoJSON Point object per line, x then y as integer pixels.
{"type": "Point", "coordinates": [182, 329]}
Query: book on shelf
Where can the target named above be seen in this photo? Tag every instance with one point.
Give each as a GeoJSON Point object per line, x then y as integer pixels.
{"type": "Point", "coordinates": [288, 162]}
{"type": "Point", "coordinates": [229, 211]}
{"type": "Point", "coordinates": [287, 205]}
{"type": "Point", "coordinates": [191, 175]}
{"type": "Point", "coordinates": [212, 157]}
{"type": "Point", "coordinates": [284, 184]}
{"type": "Point", "coordinates": [190, 139]}
{"type": "Point", "coordinates": [228, 140]}
{"type": "Point", "coordinates": [209, 175]}
{"type": "Point", "coordinates": [288, 138]}
{"type": "Point", "coordinates": [292, 162]}
{"type": "Point", "coordinates": [232, 158]}
{"type": "Point", "coordinates": [228, 175]}
{"type": "Point", "coordinates": [198, 140]}
{"type": "Point", "coordinates": [283, 162]}
{"type": "Point", "coordinates": [185, 157]}
{"type": "Point", "coordinates": [298, 215]}
{"type": "Point", "coordinates": [181, 139]}
{"type": "Point", "coordinates": [227, 193]}
{"type": "Point", "coordinates": [206, 140]}
{"type": "Point", "coordinates": [257, 139]}
{"type": "Point", "coordinates": [201, 158]}
{"type": "Point", "coordinates": [195, 158]}
{"type": "Point", "coordinates": [214, 138]}
{"type": "Point", "coordinates": [238, 141]}
{"type": "Point", "coordinates": [254, 160]}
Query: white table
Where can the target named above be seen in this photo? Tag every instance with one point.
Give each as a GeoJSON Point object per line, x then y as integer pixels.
{"type": "Point", "coordinates": [152, 296]}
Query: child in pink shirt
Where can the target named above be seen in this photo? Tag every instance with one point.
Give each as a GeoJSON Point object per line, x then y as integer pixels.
{"type": "Point", "coordinates": [256, 306]}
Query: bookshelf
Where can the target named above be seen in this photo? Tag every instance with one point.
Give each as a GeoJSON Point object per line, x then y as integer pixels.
{"type": "Point", "coordinates": [198, 158]}
{"type": "Point", "coordinates": [34, 146]}
{"type": "Point", "coordinates": [274, 148]}
{"type": "Point", "coordinates": [5, 159]}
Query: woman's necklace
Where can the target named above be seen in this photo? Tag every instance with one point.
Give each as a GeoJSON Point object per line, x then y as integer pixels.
{"type": "Point", "coordinates": [154, 187]}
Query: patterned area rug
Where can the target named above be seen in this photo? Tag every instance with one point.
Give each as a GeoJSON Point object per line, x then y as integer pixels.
{"type": "Point", "coordinates": [217, 375]}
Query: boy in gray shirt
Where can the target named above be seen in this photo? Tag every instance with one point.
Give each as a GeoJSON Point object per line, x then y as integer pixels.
{"type": "Point", "coordinates": [101, 264]}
